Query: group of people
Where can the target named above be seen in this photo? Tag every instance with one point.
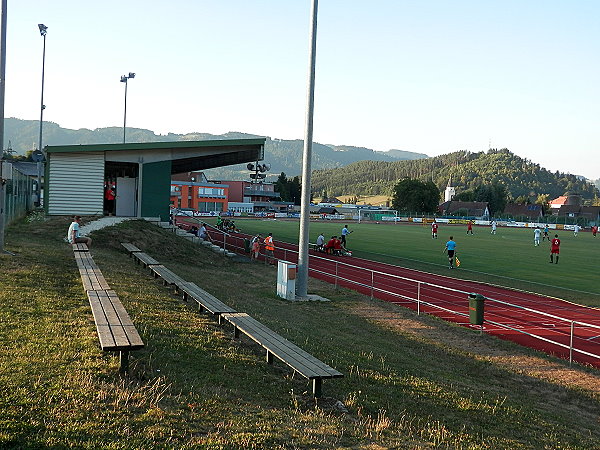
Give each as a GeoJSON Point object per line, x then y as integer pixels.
{"type": "Point", "coordinates": [335, 245]}
{"type": "Point", "coordinates": [226, 225]}
{"type": "Point", "coordinates": [269, 248]}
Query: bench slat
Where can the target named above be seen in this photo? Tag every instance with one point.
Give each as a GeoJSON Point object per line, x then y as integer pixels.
{"type": "Point", "coordinates": [301, 361]}
{"type": "Point", "coordinates": [114, 326]}
{"type": "Point", "coordinates": [93, 280]}
{"type": "Point", "coordinates": [135, 341]}
{"type": "Point", "coordinates": [130, 247]}
{"type": "Point", "coordinates": [145, 259]}
{"type": "Point", "coordinates": [80, 247]}
{"type": "Point", "coordinates": [167, 275]}
{"type": "Point", "coordinates": [208, 301]}
{"type": "Point", "coordinates": [84, 260]}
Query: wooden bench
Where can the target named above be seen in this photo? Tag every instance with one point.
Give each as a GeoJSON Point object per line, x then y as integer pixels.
{"type": "Point", "coordinates": [116, 331]}
{"type": "Point", "coordinates": [80, 247]}
{"type": "Point", "coordinates": [145, 259]}
{"type": "Point", "coordinates": [131, 249]}
{"type": "Point", "coordinates": [302, 362]}
{"type": "Point", "coordinates": [93, 280]}
{"type": "Point", "coordinates": [169, 277]}
{"type": "Point", "coordinates": [84, 260]}
{"type": "Point", "coordinates": [205, 300]}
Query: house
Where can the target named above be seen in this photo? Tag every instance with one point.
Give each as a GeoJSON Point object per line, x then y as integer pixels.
{"type": "Point", "coordinates": [191, 190]}
{"type": "Point", "coordinates": [516, 211]}
{"type": "Point", "coordinates": [591, 213]}
{"type": "Point", "coordinates": [261, 195]}
{"type": "Point", "coordinates": [558, 202]}
{"type": "Point", "coordinates": [464, 209]}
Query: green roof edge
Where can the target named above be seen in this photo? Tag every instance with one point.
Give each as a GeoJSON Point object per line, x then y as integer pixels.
{"type": "Point", "coordinates": [152, 145]}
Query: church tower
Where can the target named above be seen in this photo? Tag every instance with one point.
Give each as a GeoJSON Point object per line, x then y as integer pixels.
{"type": "Point", "coordinates": [450, 191]}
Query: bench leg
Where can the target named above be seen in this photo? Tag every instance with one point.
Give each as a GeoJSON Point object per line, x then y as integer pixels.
{"type": "Point", "coordinates": [184, 296]}
{"type": "Point", "coordinates": [269, 357]}
{"type": "Point", "coordinates": [317, 387]}
{"type": "Point", "coordinates": [236, 332]}
{"type": "Point", "coordinates": [220, 319]}
{"type": "Point", "coordinates": [200, 307]}
{"type": "Point", "coordinates": [124, 360]}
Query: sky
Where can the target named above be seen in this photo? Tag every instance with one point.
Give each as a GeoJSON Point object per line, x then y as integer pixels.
{"type": "Point", "coordinates": [431, 77]}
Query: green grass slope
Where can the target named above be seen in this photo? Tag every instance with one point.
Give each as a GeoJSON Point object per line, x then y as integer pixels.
{"type": "Point", "coordinates": [409, 382]}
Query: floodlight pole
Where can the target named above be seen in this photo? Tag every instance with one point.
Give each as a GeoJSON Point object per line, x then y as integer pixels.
{"type": "Point", "coordinates": [124, 79]}
{"type": "Point", "coordinates": [43, 30]}
{"type": "Point", "coordinates": [302, 280]}
{"type": "Point", "coordinates": [2, 89]}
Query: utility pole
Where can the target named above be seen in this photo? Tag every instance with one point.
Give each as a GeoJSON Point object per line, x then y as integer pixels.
{"type": "Point", "coordinates": [302, 280]}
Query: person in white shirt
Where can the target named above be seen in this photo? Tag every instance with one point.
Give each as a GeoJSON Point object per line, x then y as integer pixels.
{"type": "Point", "coordinates": [575, 230]}
{"type": "Point", "coordinates": [74, 234]}
{"type": "Point", "coordinates": [493, 227]}
{"type": "Point", "coordinates": [345, 232]}
{"type": "Point", "coordinates": [320, 242]}
{"type": "Point", "coordinates": [536, 236]}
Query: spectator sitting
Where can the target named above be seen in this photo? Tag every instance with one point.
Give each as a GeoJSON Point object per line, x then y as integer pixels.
{"type": "Point", "coordinates": [320, 243]}
{"type": "Point", "coordinates": [202, 234]}
{"type": "Point", "coordinates": [74, 235]}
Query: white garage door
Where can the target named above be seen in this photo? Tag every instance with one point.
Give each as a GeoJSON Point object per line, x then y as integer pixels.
{"type": "Point", "coordinates": [76, 184]}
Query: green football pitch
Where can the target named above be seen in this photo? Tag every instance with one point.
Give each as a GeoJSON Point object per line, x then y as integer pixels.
{"type": "Point", "coordinates": [508, 258]}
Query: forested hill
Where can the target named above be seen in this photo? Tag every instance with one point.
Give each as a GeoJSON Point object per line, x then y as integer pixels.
{"type": "Point", "coordinates": [520, 176]}
{"type": "Point", "coordinates": [283, 155]}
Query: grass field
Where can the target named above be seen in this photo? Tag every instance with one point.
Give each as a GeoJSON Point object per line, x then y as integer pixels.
{"type": "Point", "coordinates": [410, 381]}
{"type": "Point", "coordinates": [508, 258]}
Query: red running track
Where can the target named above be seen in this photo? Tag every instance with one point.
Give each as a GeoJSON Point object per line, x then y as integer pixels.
{"type": "Point", "coordinates": [544, 323]}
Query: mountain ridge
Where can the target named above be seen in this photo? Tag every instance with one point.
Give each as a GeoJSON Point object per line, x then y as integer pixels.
{"type": "Point", "coordinates": [283, 155]}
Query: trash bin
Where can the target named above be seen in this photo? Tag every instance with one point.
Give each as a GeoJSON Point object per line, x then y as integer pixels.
{"type": "Point", "coordinates": [476, 302]}
{"type": "Point", "coordinates": [247, 245]}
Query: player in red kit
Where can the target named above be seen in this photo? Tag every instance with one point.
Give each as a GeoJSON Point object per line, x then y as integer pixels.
{"type": "Point", "coordinates": [434, 227]}
{"type": "Point", "coordinates": [555, 249]}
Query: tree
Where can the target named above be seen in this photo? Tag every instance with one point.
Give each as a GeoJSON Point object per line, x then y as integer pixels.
{"type": "Point", "coordinates": [281, 186]}
{"type": "Point", "coordinates": [415, 195]}
{"type": "Point", "coordinates": [295, 190]}
{"type": "Point", "coordinates": [289, 190]}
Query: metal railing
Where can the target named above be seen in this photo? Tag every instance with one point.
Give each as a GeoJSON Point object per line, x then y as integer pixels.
{"type": "Point", "coordinates": [417, 298]}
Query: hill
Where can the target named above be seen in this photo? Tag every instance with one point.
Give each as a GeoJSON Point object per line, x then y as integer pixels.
{"type": "Point", "coordinates": [520, 176]}
{"type": "Point", "coordinates": [283, 155]}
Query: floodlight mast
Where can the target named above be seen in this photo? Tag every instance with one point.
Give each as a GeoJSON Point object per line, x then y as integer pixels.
{"type": "Point", "coordinates": [124, 79]}
{"type": "Point", "coordinates": [43, 30]}
{"type": "Point", "coordinates": [302, 280]}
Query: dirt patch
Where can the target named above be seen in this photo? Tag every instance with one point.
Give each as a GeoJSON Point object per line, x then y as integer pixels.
{"type": "Point", "coordinates": [483, 347]}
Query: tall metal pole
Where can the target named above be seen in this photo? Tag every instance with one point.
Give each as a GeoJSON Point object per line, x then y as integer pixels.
{"type": "Point", "coordinates": [302, 280]}
{"type": "Point", "coordinates": [2, 89]}
{"type": "Point", "coordinates": [125, 110]}
{"type": "Point", "coordinates": [43, 30]}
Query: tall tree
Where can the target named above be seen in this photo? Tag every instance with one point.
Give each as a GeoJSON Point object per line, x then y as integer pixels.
{"type": "Point", "coordinates": [415, 195]}
{"type": "Point", "coordinates": [281, 186]}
